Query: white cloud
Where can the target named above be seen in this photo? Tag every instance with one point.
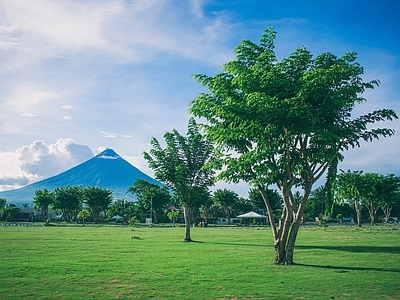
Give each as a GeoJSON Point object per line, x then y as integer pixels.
{"type": "Point", "coordinates": [26, 99]}
{"type": "Point", "coordinates": [67, 118]}
{"type": "Point", "coordinates": [39, 160]}
{"type": "Point", "coordinates": [29, 115]}
{"type": "Point", "coordinates": [113, 135]}
{"type": "Point", "coordinates": [43, 160]}
{"type": "Point", "coordinates": [133, 31]}
{"type": "Point", "coordinates": [67, 107]}
{"type": "Point", "coordinates": [16, 181]}
{"type": "Point", "coordinates": [8, 129]}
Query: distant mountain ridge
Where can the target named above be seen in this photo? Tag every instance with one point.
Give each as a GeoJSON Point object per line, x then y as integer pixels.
{"type": "Point", "coordinates": [106, 170]}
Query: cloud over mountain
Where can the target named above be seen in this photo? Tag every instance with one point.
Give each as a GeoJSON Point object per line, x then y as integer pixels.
{"type": "Point", "coordinates": [39, 160]}
{"type": "Point", "coordinates": [46, 160]}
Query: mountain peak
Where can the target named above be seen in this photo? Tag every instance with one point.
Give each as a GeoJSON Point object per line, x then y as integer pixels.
{"type": "Point", "coordinates": [107, 170]}
{"type": "Point", "coordinates": [108, 154]}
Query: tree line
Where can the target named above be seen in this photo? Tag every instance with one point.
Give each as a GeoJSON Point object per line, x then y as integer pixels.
{"type": "Point", "coordinates": [72, 203]}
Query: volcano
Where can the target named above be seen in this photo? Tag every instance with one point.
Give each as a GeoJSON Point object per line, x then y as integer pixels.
{"type": "Point", "coordinates": [107, 170]}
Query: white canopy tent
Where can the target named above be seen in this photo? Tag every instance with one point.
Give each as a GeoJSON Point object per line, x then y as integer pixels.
{"type": "Point", "coordinates": [117, 217]}
{"type": "Point", "coordinates": [251, 214]}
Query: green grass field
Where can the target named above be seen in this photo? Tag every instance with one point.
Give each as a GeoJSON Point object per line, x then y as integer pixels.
{"type": "Point", "coordinates": [225, 263]}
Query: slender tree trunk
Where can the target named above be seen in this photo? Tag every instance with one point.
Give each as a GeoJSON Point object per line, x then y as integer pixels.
{"type": "Point", "coordinates": [44, 213]}
{"type": "Point", "coordinates": [373, 209]}
{"type": "Point", "coordinates": [186, 214]}
{"type": "Point", "coordinates": [96, 214]}
{"type": "Point", "coordinates": [294, 230]}
{"type": "Point", "coordinates": [387, 211]}
{"type": "Point", "coordinates": [206, 214]}
{"type": "Point", "coordinates": [358, 212]}
{"type": "Point", "coordinates": [282, 235]}
{"type": "Point", "coordinates": [155, 217]}
{"type": "Point", "coordinates": [288, 260]}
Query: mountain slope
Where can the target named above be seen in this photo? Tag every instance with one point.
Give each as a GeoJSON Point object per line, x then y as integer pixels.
{"type": "Point", "coordinates": [106, 170]}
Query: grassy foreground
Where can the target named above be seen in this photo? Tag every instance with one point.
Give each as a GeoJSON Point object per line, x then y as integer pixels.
{"type": "Point", "coordinates": [226, 263]}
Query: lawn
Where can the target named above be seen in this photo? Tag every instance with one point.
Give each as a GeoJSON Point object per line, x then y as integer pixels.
{"type": "Point", "coordinates": [108, 262]}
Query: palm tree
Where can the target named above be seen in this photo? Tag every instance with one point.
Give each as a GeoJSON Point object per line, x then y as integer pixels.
{"type": "Point", "coordinates": [83, 214]}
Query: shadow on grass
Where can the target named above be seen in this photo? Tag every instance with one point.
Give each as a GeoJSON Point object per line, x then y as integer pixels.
{"type": "Point", "coordinates": [237, 244]}
{"type": "Point", "coordinates": [357, 249]}
{"type": "Point", "coordinates": [348, 269]}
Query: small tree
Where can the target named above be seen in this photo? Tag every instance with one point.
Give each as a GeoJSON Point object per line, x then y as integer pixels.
{"type": "Point", "coordinates": [349, 186]}
{"type": "Point", "coordinates": [181, 166]}
{"type": "Point", "coordinates": [3, 203]}
{"type": "Point", "coordinates": [371, 193]}
{"type": "Point", "coordinates": [127, 209]}
{"type": "Point", "coordinates": [390, 194]}
{"type": "Point", "coordinates": [98, 199]}
{"type": "Point", "coordinates": [317, 206]}
{"type": "Point", "coordinates": [10, 212]}
{"type": "Point", "coordinates": [150, 196]}
{"type": "Point", "coordinates": [207, 203]}
{"type": "Point", "coordinates": [68, 199]}
{"type": "Point", "coordinates": [173, 215]}
{"type": "Point", "coordinates": [43, 199]}
{"type": "Point", "coordinates": [226, 199]}
{"type": "Point", "coordinates": [83, 214]}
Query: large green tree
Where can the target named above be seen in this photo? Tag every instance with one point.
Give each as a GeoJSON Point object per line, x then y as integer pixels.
{"type": "Point", "coordinates": [68, 199]}
{"type": "Point", "coordinates": [10, 212]}
{"type": "Point", "coordinates": [372, 193]}
{"type": "Point", "coordinates": [226, 199]}
{"type": "Point", "coordinates": [206, 205]}
{"type": "Point", "coordinates": [274, 198]}
{"type": "Point", "coordinates": [151, 198]}
{"type": "Point", "coordinates": [98, 199]}
{"type": "Point", "coordinates": [317, 204]}
{"type": "Point", "coordinates": [181, 166]}
{"type": "Point", "coordinates": [287, 122]}
{"type": "Point", "coordinates": [43, 199]}
{"type": "Point", "coordinates": [3, 202]}
{"type": "Point", "coordinates": [391, 194]}
{"type": "Point", "coordinates": [127, 209]}
{"type": "Point", "coordinates": [349, 190]}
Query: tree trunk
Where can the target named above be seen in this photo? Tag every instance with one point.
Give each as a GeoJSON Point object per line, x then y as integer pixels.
{"type": "Point", "coordinates": [294, 229]}
{"type": "Point", "coordinates": [358, 212]}
{"type": "Point", "coordinates": [373, 209]}
{"type": "Point", "coordinates": [155, 217]}
{"type": "Point", "coordinates": [387, 211]}
{"type": "Point", "coordinates": [291, 242]}
{"type": "Point", "coordinates": [45, 212]}
{"type": "Point", "coordinates": [289, 224]}
{"type": "Point", "coordinates": [186, 214]}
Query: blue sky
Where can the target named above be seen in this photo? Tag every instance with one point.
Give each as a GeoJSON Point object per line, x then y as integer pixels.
{"type": "Point", "coordinates": [80, 76]}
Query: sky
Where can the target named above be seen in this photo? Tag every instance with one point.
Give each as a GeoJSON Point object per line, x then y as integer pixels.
{"type": "Point", "coordinates": [77, 77]}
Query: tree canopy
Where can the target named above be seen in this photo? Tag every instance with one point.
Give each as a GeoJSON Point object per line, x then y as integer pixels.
{"type": "Point", "coordinates": [151, 197]}
{"type": "Point", "coordinates": [68, 199]}
{"type": "Point", "coordinates": [370, 190]}
{"type": "Point", "coordinates": [98, 199]}
{"type": "Point", "coordinates": [226, 199]}
{"type": "Point", "coordinates": [43, 199]}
